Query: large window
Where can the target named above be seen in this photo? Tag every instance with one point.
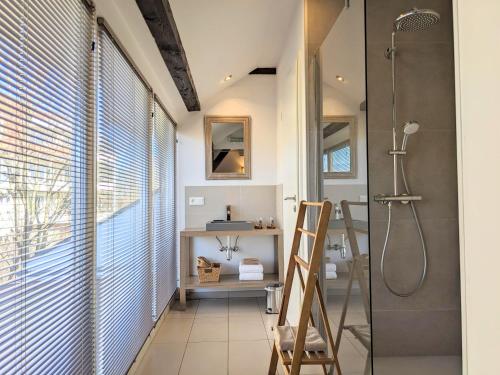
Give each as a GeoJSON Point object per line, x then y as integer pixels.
{"type": "Point", "coordinates": [164, 259]}
{"type": "Point", "coordinates": [46, 258]}
{"type": "Point", "coordinates": [87, 197]}
{"type": "Point", "coordinates": [124, 251]}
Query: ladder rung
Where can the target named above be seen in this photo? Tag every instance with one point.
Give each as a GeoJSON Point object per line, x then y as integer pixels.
{"type": "Point", "coordinates": [301, 261]}
{"type": "Point", "coordinates": [308, 358]}
{"type": "Point", "coordinates": [306, 232]}
{"type": "Point", "coordinates": [315, 204]}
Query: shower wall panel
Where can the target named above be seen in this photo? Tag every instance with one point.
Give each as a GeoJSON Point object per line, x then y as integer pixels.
{"type": "Point", "coordinates": [427, 323]}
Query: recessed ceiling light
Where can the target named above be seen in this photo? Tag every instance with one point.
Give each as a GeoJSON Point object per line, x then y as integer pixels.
{"type": "Point", "coordinates": [340, 78]}
{"type": "Point", "coordinates": [228, 77]}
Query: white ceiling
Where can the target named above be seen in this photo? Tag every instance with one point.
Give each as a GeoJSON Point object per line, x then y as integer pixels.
{"type": "Point", "coordinates": [344, 53]}
{"type": "Point", "coordinates": [223, 37]}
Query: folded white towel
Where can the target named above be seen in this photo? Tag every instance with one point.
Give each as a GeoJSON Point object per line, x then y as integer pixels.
{"type": "Point", "coordinates": [252, 276]}
{"type": "Point", "coordinates": [251, 265]}
{"type": "Point", "coordinates": [331, 275]}
{"type": "Point", "coordinates": [286, 338]}
{"type": "Point", "coordinates": [331, 267]}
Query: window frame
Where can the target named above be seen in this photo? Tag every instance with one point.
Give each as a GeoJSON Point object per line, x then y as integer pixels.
{"type": "Point", "coordinates": [353, 125]}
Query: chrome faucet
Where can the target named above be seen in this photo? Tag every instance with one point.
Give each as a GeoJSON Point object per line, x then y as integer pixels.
{"type": "Point", "coordinates": [342, 248]}
{"type": "Point", "coordinates": [228, 249]}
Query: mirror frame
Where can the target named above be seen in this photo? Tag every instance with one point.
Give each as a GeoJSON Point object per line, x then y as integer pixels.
{"type": "Point", "coordinates": [246, 121]}
{"type": "Point", "coordinates": [353, 142]}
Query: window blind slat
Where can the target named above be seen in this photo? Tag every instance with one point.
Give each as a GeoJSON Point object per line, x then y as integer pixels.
{"type": "Point", "coordinates": [46, 238]}
{"type": "Point", "coordinates": [124, 297]}
{"type": "Point", "coordinates": [164, 253]}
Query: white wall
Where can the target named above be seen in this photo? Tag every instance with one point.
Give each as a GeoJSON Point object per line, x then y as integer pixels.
{"type": "Point", "coordinates": [127, 23]}
{"type": "Point", "coordinates": [254, 96]}
{"type": "Point", "coordinates": [477, 59]}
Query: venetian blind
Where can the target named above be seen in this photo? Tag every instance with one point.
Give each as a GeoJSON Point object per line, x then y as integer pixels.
{"type": "Point", "coordinates": [46, 259]}
{"type": "Point", "coordinates": [124, 256]}
{"type": "Point", "coordinates": [164, 253]}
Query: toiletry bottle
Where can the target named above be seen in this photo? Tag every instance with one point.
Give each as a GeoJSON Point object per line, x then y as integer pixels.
{"type": "Point", "coordinates": [228, 212]}
{"type": "Point", "coordinates": [338, 211]}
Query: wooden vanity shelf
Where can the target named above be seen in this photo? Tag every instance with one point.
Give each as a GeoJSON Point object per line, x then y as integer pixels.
{"type": "Point", "coordinates": [226, 282]}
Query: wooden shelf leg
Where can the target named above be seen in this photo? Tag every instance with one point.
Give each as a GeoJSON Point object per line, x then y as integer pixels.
{"type": "Point", "coordinates": [184, 269]}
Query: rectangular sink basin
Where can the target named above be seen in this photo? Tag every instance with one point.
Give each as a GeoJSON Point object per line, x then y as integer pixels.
{"type": "Point", "coordinates": [215, 225]}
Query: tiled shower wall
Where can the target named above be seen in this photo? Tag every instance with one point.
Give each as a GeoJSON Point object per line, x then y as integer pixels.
{"type": "Point", "coordinates": [427, 323]}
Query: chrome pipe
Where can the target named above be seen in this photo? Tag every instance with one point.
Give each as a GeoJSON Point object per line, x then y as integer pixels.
{"type": "Point", "coordinates": [394, 113]}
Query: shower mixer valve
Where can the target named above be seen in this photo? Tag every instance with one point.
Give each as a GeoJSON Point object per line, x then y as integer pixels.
{"type": "Point", "coordinates": [401, 198]}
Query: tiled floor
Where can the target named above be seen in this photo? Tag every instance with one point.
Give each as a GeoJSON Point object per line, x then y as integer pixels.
{"type": "Point", "coordinates": [231, 336]}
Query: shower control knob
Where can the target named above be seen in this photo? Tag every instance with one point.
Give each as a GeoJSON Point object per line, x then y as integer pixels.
{"type": "Point", "coordinates": [405, 202]}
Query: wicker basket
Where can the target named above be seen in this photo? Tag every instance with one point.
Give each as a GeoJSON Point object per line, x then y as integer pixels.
{"type": "Point", "coordinates": [204, 262]}
{"type": "Point", "coordinates": [209, 274]}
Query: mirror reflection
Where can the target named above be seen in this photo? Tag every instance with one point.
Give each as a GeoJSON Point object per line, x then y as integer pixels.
{"type": "Point", "coordinates": [344, 182]}
{"type": "Point", "coordinates": [227, 147]}
{"type": "Point", "coordinates": [339, 146]}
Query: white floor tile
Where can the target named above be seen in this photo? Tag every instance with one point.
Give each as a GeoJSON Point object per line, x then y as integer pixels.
{"type": "Point", "coordinates": [205, 358]}
{"type": "Point", "coordinates": [336, 303]}
{"type": "Point", "coordinates": [174, 330]}
{"type": "Point", "coordinates": [249, 357]}
{"type": "Point", "coordinates": [243, 328]}
{"type": "Point", "coordinates": [209, 329]}
{"type": "Point", "coordinates": [270, 320]}
{"type": "Point", "coordinates": [351, 361]}
{"type": "Point", "coordinates": [215, 308]}
{"type": "Point", "coordinates": [350, 318]}
{"type": "Point", "coordinates": [162, 359]}
{"type": "Point", "coordinates": [244, 306]}
{"type": "Point", "coordinates": [358, 346]}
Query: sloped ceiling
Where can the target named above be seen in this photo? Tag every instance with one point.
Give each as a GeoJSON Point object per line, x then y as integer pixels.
{"type": "Point", "coordinates": [343, 53]}
{"type": "Point", "coordinates": [223, 37]}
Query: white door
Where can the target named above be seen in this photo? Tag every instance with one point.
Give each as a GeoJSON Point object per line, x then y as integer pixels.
{"type": "Point", "coordinates": [290, 153]}
{"type": "Point", "coordinates": [289, 159]}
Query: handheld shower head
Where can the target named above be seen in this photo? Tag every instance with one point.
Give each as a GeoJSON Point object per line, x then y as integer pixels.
{"type": "Point", "coordinates": [416, 20]}
{"type": "Point", "coordinates": [411, 127]}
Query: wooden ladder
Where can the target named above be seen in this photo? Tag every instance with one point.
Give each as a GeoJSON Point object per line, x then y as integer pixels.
{"type": "Point", "coordinates": [293, 360]}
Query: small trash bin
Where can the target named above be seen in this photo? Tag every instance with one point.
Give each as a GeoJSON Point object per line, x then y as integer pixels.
{"type": "Point", "coordinates": [274, 296]}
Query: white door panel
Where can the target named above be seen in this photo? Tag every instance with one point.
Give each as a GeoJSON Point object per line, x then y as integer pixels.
{"type": "Point", "coordinates": [289, 118]}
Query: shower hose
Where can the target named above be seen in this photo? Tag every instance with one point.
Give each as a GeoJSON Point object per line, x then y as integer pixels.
{"type": "Point", "coordinates": [422, 242]}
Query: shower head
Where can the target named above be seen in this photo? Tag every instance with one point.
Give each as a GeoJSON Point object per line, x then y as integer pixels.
{"type": "Point", "coordinates": [416, 20]}
{"type": "Point", "coordinates": [411, 127]}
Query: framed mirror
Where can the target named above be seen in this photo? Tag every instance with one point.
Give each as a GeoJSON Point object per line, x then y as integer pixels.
{"type": "Point", "coordinates": [339, 146]}
{"type": "Point", "coordinates": [227, 148]}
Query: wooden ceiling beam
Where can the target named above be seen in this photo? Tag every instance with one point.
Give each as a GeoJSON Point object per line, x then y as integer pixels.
{"type": "Point", "coordinates": [160, 20]}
